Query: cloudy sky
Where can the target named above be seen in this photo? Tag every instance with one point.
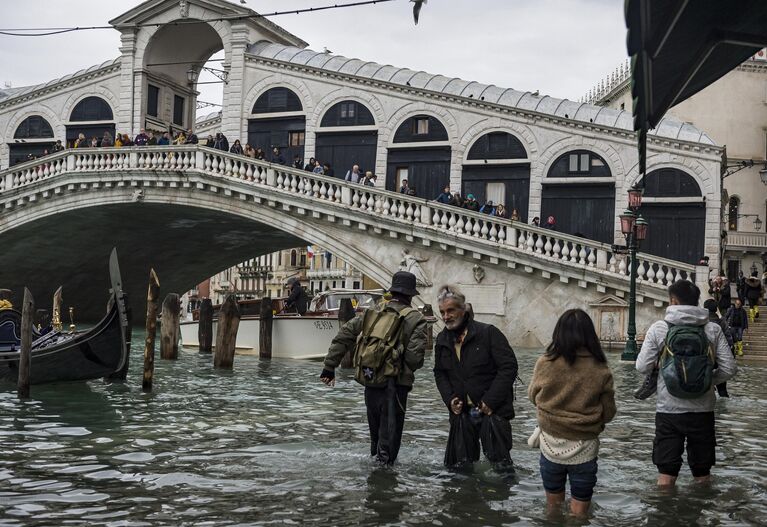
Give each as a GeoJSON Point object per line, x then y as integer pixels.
{"type": "Point", "coordinates": [560, 47]}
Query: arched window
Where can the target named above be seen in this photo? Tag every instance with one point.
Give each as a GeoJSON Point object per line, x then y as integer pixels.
{"type": "Point", "coordinates": [92, 109]}
{"type": "Point", "coordinates": [33, 127]}
{"type": "Point", "coordinates": [497, 145]}
{"type": "Point", "coordinates": [293, 258]}
{"type": "Point", "coordinates": [733, 207]}
{"type": "Point", "coordinates": [420, 128]}
{"type": "Point", "coordinates": [277, 100]}
{"type": "Point", "coordinates": [347, 113]}
{"type": "Point", "coordinates": [669, 183]}
{"type": "Point", "coordinates": [579, 163]}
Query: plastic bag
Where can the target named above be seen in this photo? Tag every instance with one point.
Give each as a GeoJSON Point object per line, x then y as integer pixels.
{"type": "Point", "coordinates": [462, 441]}
{"type": "Point", "coordinates": [495, 434]}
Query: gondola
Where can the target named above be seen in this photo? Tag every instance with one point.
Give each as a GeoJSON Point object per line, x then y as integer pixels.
{"type": "Point", "coordinates": [60, 356]}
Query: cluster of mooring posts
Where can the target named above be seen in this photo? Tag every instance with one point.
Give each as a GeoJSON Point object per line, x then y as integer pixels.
{"type": "Point", "coordinates": [228, 322]}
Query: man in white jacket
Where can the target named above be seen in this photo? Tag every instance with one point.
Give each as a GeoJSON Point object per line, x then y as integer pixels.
{"type": "Point", "coordinates": [685, 420]}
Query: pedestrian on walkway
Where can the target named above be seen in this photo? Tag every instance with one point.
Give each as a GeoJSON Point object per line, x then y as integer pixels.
{"type": "Point", "coordinates": [475, 369]}
{"type": "Point", "coordinates": [737, 320]}
{"type": "Point", "coordinates": [754, 292]}
{"type": "Point", "coordinates": [685, 404]}
{"type": "Point", "coordinates": [712, 308]}
{"type": "Point", "coordinates": [572, 390]}
{"type": "Point", "coordinates": [389, 343]}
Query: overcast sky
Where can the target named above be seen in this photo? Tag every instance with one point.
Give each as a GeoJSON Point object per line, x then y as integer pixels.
{"type": "Point", "coordinates": [560, 47]}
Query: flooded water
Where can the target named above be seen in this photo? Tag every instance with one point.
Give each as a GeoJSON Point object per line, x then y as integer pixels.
{"type": "Point", "coordinates": [268, 444]}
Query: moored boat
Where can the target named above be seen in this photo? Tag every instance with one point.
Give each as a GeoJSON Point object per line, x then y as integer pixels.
{"type": "Point", "coordinates": [295, 337]}
{"type": "Point", "coordinates": [60, 356]}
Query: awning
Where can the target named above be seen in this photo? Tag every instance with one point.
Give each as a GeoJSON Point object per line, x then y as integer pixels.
{"type": "Point", "coordinates": [678, 47]}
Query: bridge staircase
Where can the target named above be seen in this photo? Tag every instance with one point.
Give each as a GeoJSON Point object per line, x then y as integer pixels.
{"type": "Point", "coordinates": [755, 339]}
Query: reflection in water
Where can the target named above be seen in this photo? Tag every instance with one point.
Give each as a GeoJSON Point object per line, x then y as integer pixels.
{"type": "Point", "coordinates": [268, 443]}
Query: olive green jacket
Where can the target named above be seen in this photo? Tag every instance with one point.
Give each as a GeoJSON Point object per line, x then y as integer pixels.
{"type": "Point", "coordinates": [413, 338]}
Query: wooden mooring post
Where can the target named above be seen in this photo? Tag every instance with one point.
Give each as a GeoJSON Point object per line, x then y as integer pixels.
{"type": "Point", "coordinates": [151, 330]}
{"type": "Point", "coordinates": [345, 314]}
{"type": "Point", "coordinates": [25, 355]}
{"type": "Point", "coordinates": [226, 334]}
{"type": "Point", "coordinates": [265, 324]}
{"type": "Point", "coordinates": [169, 328]}
{"type": "Point", "coordinates": [205, 326]}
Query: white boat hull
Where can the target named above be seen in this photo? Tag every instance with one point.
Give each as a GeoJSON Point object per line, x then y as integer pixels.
{"type": "Point", "coordinates": [292, 337]}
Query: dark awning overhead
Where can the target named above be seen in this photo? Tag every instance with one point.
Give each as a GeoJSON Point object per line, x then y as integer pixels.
{"type": "Point", "coordinates": [678, 47]}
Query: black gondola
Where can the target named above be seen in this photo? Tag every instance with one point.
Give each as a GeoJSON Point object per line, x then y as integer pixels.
{"type": "Point", "coordinates": [101, 351]}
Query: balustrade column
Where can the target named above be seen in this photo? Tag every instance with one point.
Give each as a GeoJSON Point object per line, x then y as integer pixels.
{"type": "Point", "coordinates": [271, 177]}
{"type": "Point", "coordinates": [199, 159]}
{"type": "Point", "coordinates": [133, 160]}
{"type": "Point", "coordinates": [425, 214]}
{"type": "Point", "coordinates": [602, 259]}
{"type": "Point", "coordinates": [70, 163]}
{"type": "Point", "coordinates": [346, 195]}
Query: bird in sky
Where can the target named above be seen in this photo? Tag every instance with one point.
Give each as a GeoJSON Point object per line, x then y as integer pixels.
{"type": "Point", "coordinates": [417, 5]}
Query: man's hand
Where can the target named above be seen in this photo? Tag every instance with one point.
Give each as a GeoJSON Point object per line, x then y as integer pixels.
{"type": "Point", "coordinates": [328, 377]}
{"type": "Point", "coordinates": [485, 409]}
{"type": "Point", "coordinates": [456, 405]}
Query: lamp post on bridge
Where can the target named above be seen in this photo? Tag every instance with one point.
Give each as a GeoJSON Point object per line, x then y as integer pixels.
{"type": "Point", "coordinates": [634, 229]}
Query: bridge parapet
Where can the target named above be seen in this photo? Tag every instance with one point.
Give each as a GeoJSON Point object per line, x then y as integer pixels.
{"type": "Point", "coordinates": [500, 241]}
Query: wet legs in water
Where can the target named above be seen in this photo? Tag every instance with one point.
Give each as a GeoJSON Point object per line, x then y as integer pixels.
{"type": "Point", "coordinates": [385, 428]}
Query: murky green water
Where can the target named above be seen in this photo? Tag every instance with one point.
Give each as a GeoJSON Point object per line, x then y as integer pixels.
{"type": "Point", "coordinates": [268, 444]}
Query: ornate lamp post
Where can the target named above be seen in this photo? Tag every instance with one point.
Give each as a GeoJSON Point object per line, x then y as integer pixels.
{"type": "Point", "coordinates": [634, 229]}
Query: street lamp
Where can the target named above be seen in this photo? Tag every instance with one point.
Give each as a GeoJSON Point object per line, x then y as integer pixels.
{"type": "Point", "coordinates": [634, 229]}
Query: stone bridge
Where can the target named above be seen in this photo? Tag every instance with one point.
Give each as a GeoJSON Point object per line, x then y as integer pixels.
{"type": "Point", "coordinates": [190, 211]}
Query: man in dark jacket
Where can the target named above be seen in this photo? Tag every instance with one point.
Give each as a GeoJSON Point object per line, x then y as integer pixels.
{"type": "Point", "coordinates": [737, 321]}
{"type": "Point", "coordinates": [754, 291]}
{"type": "Point", "coordinates": [297, 300]}
{"type": "Point", "coordinates": [385, 428]}
{"type": "Point", "coordinates": [445, 196]}
{"type": "Point", "coordinates": [475, 369]}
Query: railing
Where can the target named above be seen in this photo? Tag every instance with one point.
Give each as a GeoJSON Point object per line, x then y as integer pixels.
{"type": "Point", "coordinates": [753, 240]}
{"type": "Point", "coordinates": [464, 225]}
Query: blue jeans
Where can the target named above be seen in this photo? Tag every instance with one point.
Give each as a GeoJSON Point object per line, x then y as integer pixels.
{"type": "Point", "coordinates": [737, 334]}
{"type": "Point", "coordinates": [583, 478]}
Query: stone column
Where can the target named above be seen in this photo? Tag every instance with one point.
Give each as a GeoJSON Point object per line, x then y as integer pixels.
{"type": "Point", "coordinates": [232, 112]}
{"type": "Point", "coordinates": [127, 62]}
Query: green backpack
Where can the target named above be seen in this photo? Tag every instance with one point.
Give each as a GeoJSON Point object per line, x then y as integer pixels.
{"type": "Point", "coordinates": [687, 362]}
{"type": "Point", "coordinates": [378, 354]}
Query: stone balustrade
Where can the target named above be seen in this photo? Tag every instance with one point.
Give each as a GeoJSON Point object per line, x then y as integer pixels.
{"type": "Point", "coordinates": [511, 239]}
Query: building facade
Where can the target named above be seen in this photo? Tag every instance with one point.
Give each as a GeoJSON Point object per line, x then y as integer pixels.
{"type": "Point", "coordinates": [733, 111]}
{"type": "Point", "coordinates": [531, 152]}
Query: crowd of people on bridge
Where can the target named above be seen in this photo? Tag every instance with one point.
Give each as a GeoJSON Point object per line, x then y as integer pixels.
{"type": "Point", "coordinates": [475, 370]}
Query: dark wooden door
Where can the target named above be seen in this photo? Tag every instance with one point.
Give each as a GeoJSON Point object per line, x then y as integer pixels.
{"type": "Point", "coordinates": [19, 152]}
{"type": "Point", "coordinates": [515, 178]}
{"type": "Point", "coordinates": [345, 149]}
{"type": "Point", "coordinates": [676, 230]}
{"type": "Point", "coordinates": [428, 169]}
{"type": "Point", "coordinates": [269, 133]}
{"type": "Point", "coordinates": [582, 210]}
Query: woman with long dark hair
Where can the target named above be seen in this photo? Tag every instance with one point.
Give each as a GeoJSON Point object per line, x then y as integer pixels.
{"type": "Point", "coordinates": [572, 389]}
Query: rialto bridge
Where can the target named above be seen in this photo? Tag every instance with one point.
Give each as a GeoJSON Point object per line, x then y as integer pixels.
{"type": "Point", "coordinates": [190, 214]}
{"type": "Point", "coordinates": [190, 211]}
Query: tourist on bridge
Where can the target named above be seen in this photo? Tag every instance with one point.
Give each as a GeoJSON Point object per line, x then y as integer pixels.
{"type": "Point", "coordinates": [475, 369]}
{"type": "Point", "coordinates": [471, 203]}
{"type": "Point", "coordinates": [106, 140]}
{"type": "Point", "coordinates": [297, 162]}
{"type": "Point", "coordinates": [141, 139]}
{"type": "Point", "coordinates": [456, 200]}
{"type": "Point", "coordinates": [353, 175]}
{"type": "Point", "coordinates": [260, 154]}
{"type": "Point", "coordinates": [309, 167]}
{"type": "Point", "coordinates": [737, 320]}
{"type": "Point", "coordinates": [551, 223]}
{"type": "Point", "coordinates": [277, 157]}
{"type": "Point", "coordinates": [297, 301]}
{"type": "Point", "coordinates": [221, 142]}
{"type": "Point", "coordinates": [536, 222]}
{"type": "Point", "coordinates": [572, 390]}
{"type": "Point", "coordinates": [404, 187]}
{"type": "Point", "coordinates": [369, 180]}
{"type": "Point", "coordinates": [164, 140]}
{"type": "Point", "coordinates": [685, 404]}
{"type": "Point", "coordinates": [514, 215]}
{"type": "Point", "coordinates": [58, 147]}
{"type": "Point", "coordinates": [389, 343]}
{"type": "Point", "coordinates": [191, 138]}
{"type": "Point", "coordinates": [318, 168]}
{"type": "Point", "coordinates": [237, 148]}
{"type": "Point", "coordinates": [152, 139]}
{"type": "Point", "coordinates": [720, 291]}
{"type": "Point", "coordinates": [328, 170]}
{"type": "Point", "coordinates": [740, 286]}
{"type": "Point", "coordinates": [488, 208]}
{"type": "Point", "coordinates": [80, 142]}
{"type": "Point", "coordinates": [445, 196]}
{"type": "Point", "coordinates": [500, 211]}
{"type": "Point", "coordinates": [210, 141]}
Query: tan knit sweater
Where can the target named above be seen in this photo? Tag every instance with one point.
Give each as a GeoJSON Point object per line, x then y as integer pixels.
{"type": "Point", "coordinates": [574, 402]}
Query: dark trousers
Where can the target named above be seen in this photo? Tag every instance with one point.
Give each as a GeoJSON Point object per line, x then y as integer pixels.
{"type": "Point", "coordinates": [386, 419]}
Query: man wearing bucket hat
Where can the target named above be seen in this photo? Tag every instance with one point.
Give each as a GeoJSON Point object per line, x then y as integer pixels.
{"type": "Point", "coordinates": [388, 344]}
